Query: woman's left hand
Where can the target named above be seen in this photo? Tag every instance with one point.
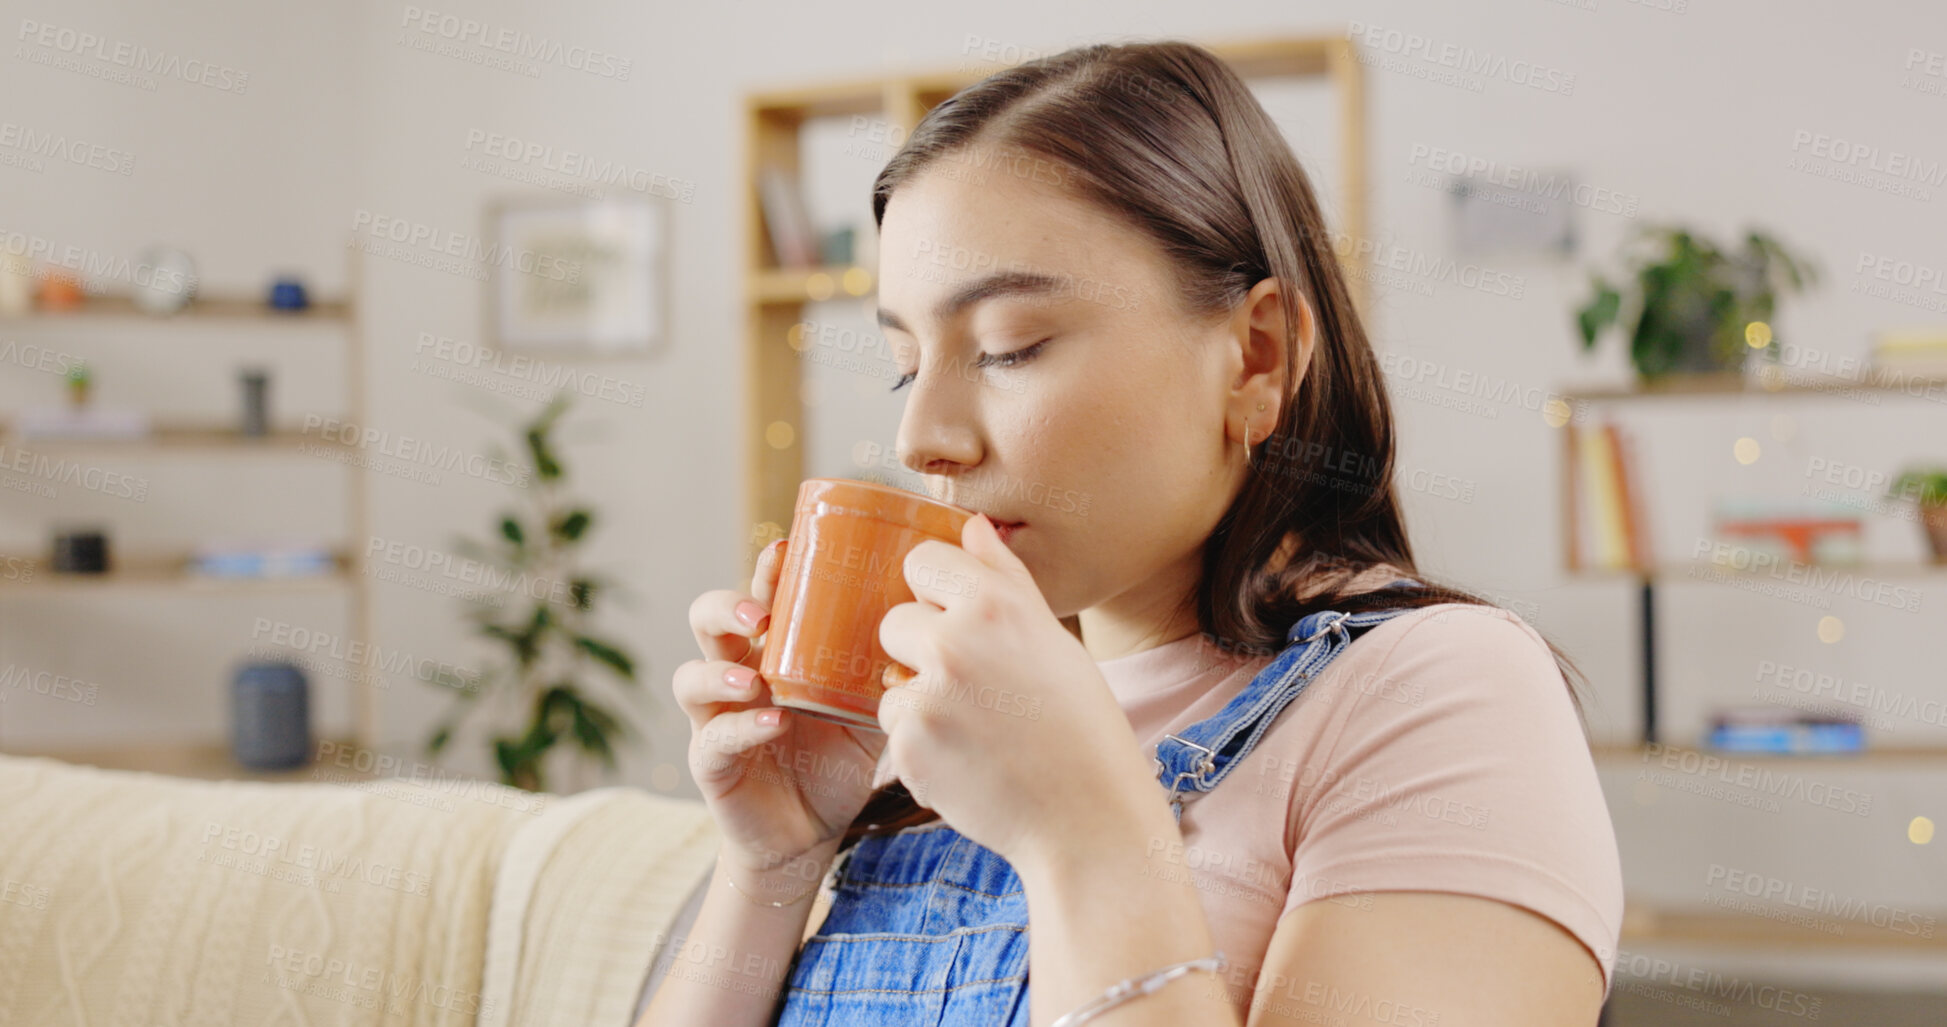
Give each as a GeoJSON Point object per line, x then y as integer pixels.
{"type": "Point", "coordinates": [1008, 731]}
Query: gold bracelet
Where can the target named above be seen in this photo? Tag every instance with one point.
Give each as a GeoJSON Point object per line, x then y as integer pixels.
{"type": "Point", "coordinates": [755, 901]}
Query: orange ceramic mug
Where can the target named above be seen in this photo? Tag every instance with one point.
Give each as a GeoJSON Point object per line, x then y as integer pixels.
{"type": "Point", "coordinates": [843, 569]}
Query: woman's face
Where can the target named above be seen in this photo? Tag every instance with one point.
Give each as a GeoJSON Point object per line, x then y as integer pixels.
{"type": "Point", "coordinates": [1106, 435]}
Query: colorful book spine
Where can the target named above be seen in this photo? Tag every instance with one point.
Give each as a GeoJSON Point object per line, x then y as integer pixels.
{"type": "Point", "coordinates": [1608, 525]}
{"type": "Point", "coordinates": [1603, 500]}
{"type": "Point", "coordinates": [1629, 488]}
{"type": "Point", "coordinates": [793, 240]}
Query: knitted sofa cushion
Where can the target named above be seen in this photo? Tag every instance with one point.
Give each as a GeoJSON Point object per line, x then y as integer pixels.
{"type": "Point", "coordinates": [130, 898]}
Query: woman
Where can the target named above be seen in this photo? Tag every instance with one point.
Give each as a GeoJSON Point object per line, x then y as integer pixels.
{"type": "Point", "coordinates": [1239, 723]}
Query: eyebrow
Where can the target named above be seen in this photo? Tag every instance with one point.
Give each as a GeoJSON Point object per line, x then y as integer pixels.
{"type": "Point", "coordinates": [1000, 283]}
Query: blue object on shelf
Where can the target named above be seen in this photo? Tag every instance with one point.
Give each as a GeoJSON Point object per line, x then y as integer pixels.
{"type": "Point", "coordinates": [270, 716]}
{"type": "Point", "coordinates": [287, 293]}
{"type": "Point", "coordinates": [283, 563]}
{"type": "Point", "coordinates": [1791, 739]}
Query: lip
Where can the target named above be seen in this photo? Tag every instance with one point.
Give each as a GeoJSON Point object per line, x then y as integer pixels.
{"type": "Point", "coordinates": [1006, 529]}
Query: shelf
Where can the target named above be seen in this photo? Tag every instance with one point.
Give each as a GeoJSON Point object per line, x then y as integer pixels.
{"type": "Point", "coordinates": [1929, 758]}
{"type": "Point", "coordinates": [1707, 385]}
{"type": "Point", "coordinates": [1644, 923]}
{"type": "Point", "coordinates": [1694, 571]}
{"type": "Point", "coordinates": [184, 437]}
{"type": "Point", "coordinates": [875, 96]}
{"type": "Point", "coordinates": [777, 286]}
{"type": "Point", "coordinates": [220, 308]}
{"type": "Point", "coordinates": [828, 100]}
{"type": "Point", "coordinates": [223, 315]}
{"type": "Point", "coordinates": [153, 571]}
{"type": "Point", "coordinates": [207, 761]}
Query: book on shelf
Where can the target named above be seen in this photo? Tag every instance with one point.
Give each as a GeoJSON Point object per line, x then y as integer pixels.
{"type": "Point", "coordinates": [793, 239]}
{"type": "Point", "coordinates": [245, 560]}
{"type": "Point", "coordinates": [1913, 352]}
{"type": "Point", "coordinates": [1608, 528]}
{"type": "Point", "coordinates": [1770, 729]}
{"type": "Point", "coordinates": [1798, 529]}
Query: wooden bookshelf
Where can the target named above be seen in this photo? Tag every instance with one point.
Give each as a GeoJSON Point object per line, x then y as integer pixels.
{"type": "Point", "coordinates": [217, 307]}
{"type": "Point", "coordinates": [774, 295]}
{"type": "Point", "coordinates": [169, 571]}
{"type": "Point", "coordinates": [164, 575]}
{"type": "Point", "coordinates": [795, 286]}
{"type": "Point", "coordinates": [1717, 386]}
{"type": "Point", "coordinates": [1769, 383]}
{"type": "Point", "coordinates": [1676, 573]}
{"type": "Point", "coordinates": [168, 437]}
{"type": "Point", "coordinates": [1921, 757]}
{"type": "Point", "coordinates": [1645, 924]}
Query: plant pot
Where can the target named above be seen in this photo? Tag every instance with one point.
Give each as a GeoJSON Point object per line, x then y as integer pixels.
{"type": "Point", "coordinates": [1934, 519]}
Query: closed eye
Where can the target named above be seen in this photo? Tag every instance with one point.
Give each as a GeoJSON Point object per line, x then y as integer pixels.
{"type": "Point", "coordinates": [1013, 359]}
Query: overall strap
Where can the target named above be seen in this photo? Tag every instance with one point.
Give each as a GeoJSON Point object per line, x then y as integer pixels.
{"type": "Point", "coordinates": [1192, 761]}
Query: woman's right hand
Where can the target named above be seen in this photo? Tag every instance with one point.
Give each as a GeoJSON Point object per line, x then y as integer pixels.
{"type": "Point", "coordinates": [779, 789]}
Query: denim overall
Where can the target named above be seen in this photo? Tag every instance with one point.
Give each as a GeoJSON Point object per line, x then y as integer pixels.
{"type": "Point", "coordinates": [928, 928]}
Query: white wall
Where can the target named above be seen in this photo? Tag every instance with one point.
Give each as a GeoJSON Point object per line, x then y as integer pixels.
{"type": "Point", "coordinates": [1693, 113]}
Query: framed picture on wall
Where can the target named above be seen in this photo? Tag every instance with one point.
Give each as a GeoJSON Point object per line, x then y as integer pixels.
{"type": "Point", "coordinates": [576, 275]}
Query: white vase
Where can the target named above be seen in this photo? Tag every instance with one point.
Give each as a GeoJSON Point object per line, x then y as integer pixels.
{"type": "Point", "coordinates": [16, 285]}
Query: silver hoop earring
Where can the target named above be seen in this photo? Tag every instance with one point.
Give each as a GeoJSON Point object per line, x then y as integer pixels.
{"type": "Point", "coordinates": [1247, 437]}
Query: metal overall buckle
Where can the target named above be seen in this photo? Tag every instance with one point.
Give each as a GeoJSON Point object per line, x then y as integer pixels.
{"type": "Point", "coordinates": [1334, 622]}
{"type": "Point", "coordinates": [1204, 766]}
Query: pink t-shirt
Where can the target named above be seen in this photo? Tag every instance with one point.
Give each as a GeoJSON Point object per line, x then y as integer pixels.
{"type": "Point", "coordinates": [1439, 752]}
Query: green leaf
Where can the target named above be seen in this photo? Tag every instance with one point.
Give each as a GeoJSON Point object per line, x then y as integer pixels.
{"type": "Point", "coordinates": [617, 660]}
{"type": "Point", "coordinates": [1928, 488]}
{"type": "Point", "coordinates": [581, 592]}
{"type": "Point", "coordinates": [510, 529]}
{"type": "Point", "coordinates": [592, 738]}
{"type": "Point", "coordinates": [540, 450]}
{"type": "Point", "coordinates": [527, 752]}
{"type": "Point", "coordinates": [523, 642]}
{"type": "Point", "coordinates": [573, 525]}
{"type": "Point", "coordinates": [559, 698]}
{"type": "Point", "coordinates": [610, 725]}
{"type": "Point", "coordinates": [1599, 313]}
{"type": "Point", "coordinates": [508, 756]}
{"type": "Point", "coordinates": [439, 739]}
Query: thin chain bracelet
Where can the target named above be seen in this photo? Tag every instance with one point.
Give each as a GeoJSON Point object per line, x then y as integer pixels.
{"type": "Point", "coordinates": [794, 900]}
{"type": "Point", "coordinates": [755, 901]}
{"type": "Point", "coordinates": [1137, 987]}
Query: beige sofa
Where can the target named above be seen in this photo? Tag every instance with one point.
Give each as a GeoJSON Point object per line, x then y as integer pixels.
{"type": "Point", "coordinates": [130, 898]}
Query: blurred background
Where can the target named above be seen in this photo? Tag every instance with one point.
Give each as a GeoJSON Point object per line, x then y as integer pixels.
{"type": "Point", "coordinates": [380, 383]}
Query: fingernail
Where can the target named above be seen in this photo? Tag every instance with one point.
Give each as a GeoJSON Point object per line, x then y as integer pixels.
{"type": "Point", "coordinates": [768, 718]}
{"type": "Point", "coordinates": [740, 678]}
{"type": "Point", "coordinates": [772, 549]}
{"type": "Point", "coordinates": [750, 613]}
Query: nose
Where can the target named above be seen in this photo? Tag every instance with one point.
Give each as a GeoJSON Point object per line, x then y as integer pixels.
{"type": "Point", "coordinates": [938, 429]}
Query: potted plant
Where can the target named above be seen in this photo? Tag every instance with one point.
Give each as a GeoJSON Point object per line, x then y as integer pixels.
{"type": "Point", "coordinates": [545, 680]}
{"type": "Point", "coordinates": [1690, 306]}
{"type": "Point", "coordinates": [80, 378]}
{"type": "Point", "coordinates": [1928, 488]}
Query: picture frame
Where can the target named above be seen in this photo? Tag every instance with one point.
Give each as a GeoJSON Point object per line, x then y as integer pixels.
{"type": "Point", "coordinates": [577, 276]}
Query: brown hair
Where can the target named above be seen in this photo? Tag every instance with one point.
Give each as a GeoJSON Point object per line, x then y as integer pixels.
{"type": "Point", "coordinates": [1167, 137]}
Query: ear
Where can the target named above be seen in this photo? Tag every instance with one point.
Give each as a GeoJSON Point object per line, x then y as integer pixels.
{"type": "Point", "coordinates": [1265, 379]}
